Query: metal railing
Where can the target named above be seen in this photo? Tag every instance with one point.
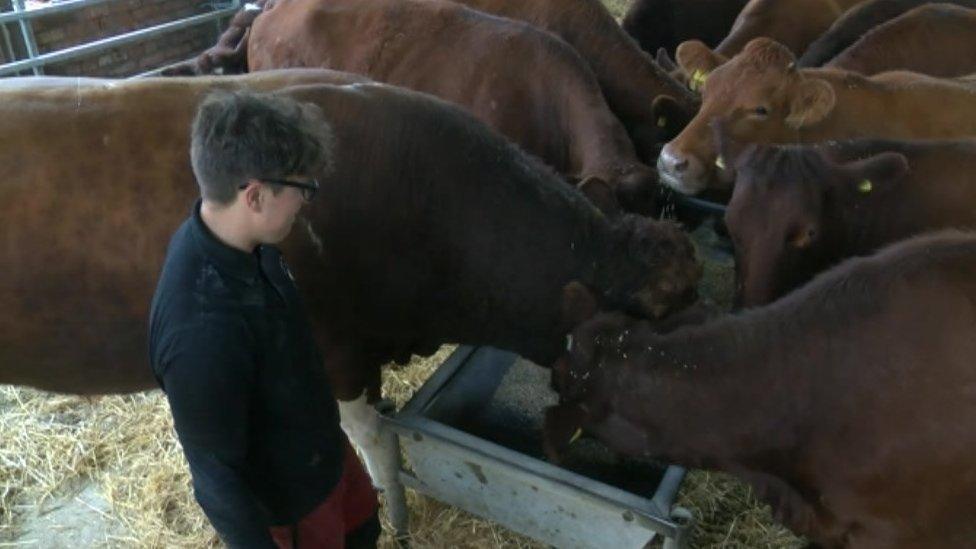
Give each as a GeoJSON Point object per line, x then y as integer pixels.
{"type": "Point", "coordinates": [36, 61]}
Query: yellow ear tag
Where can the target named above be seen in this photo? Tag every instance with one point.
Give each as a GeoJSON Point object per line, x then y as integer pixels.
{"type": "Point", "coordinates": [719, 162]}
{"type": "Point", "coordinates": [576, 435]}
{"type": "Point", "coordinates": [697, 79]}
{"type": "Point", "coordinates": [662, 121]}
{"type": "Point", "coordinates": [865, 186]}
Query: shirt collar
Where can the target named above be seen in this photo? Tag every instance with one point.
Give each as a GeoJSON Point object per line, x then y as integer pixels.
{"type": "Point", "coordinates": [241, 265]}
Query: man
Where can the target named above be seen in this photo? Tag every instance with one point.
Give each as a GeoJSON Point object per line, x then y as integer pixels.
{"type": "Point", "coordinates": [231, 346]}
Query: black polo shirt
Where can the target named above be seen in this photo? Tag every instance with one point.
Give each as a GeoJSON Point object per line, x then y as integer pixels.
{"type": "Point", "coordinates": [230, 344]}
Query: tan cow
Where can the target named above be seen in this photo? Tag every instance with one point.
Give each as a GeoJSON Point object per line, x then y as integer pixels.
{"type": "Point", "coordinates": [764, 98]}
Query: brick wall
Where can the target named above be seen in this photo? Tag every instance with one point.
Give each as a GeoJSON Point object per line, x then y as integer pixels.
{"type": "Point", "coordinates": [116, 17]}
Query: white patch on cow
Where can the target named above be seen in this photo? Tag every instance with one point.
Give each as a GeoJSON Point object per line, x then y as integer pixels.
{"type": "Point", "coordinates": [376, 446]}
{"type": "Point", "coordinates": [569, 342]}
{"type": "Point", "coordinates": [316, 241]}
{"type": "Point", "coordinates": [250, 6]}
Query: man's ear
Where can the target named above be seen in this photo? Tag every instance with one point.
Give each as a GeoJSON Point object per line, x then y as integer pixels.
{"type": "Point", "coordinates": [252, 195]}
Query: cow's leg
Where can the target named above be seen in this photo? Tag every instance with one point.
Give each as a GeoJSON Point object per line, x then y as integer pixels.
{"type": "Point", "coordinates": [378, 446]}
{"type": "Point", "coordinates": [380, 450]}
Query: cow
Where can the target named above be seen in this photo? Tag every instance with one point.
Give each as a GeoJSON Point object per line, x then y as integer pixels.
{"type": "Point", "coordinates": [796, 210]}
{"type": "Point", "coordinates": [767, 99]}
{"type": "Point", "coordinates": [629, 78]}
{"type": "Point", "coordinates": [857, 22]}
{"type": "Point", "coordinates": [663, 24]}
{"type": "Point", "coordinates": [431, 228]}
{"type": "Point", "coordinates": [793, 23]}
{"type": "Point", "coordinates": [927, 40]}
{"type": "Point", "coordinates": [522, 81]}
{"type": "Point", "coordinates": [848, 405]}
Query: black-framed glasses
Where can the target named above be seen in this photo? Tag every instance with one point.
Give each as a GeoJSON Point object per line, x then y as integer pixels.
{"type": "Point", "coordinates": [308, 189]}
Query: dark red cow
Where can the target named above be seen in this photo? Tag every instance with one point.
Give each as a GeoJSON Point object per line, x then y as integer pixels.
{"type": "Point", "coordinates": [930, 39]}
{"type": "Point", "coordinates": [849, 405]}
{"type": "Point", "coordinates": [793, 23]}
{"type": "Point", "coordinates": [657, 24]}
{"type": "Point", "coordinates": [857, 22]}
{"type": "Point", "coordinates": [629, 78]}
{"type": "Point", "coordinates": [430, 229]}
{"type": "Point", "coordinates": [797, 210]}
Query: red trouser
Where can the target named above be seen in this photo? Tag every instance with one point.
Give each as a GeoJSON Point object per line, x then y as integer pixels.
{"type": "Point", "coordinates": [349, 506]}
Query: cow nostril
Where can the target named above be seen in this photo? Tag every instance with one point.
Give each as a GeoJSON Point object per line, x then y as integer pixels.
{"type": "Point", "coordinates": [681, 165]}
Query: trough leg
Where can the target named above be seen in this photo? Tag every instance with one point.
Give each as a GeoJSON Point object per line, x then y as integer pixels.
{"type": "Point", "coordinates": [683, 520]}
{"type": "Point", "coordinates": [380, 451]}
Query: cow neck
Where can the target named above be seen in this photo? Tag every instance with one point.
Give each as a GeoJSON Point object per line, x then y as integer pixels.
{"type": "Point", "coordinates": [632, 78]}
{"type": "Point", "coordinates": [856, 99]}
{"type": "Point", "coordinates": [852, 224]}
{"type": "Point", "coordinates": [722, 395]}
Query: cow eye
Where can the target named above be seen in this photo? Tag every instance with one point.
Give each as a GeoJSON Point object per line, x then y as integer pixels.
{"type": "Point", "coordinates": [760, 111]}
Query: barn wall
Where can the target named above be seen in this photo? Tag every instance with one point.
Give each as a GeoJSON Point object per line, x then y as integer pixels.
{"type": "Point", "coordinates": [85, 25]}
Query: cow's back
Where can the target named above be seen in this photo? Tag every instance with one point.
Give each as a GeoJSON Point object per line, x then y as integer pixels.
{"type": "Point", "coordinates": [667, 23]}
{"type": "Point", "coordinates": [629, 78]}
{"type": "Point", "coordinates": [793, 23]}
{"type": "Point", "coordinates": [927, 40]}
{"type": "Point", "coordinates": [857, 22]}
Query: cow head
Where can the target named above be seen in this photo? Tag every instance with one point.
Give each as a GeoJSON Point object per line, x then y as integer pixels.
{"type": "Point", "coordinates": [761, 94]}
{"type": "Point", "coordinates": [650, 267]}
{"type": "Point", "coordinates": [588, 378]}
{"type": "Point", "coordinates": [783, 213]}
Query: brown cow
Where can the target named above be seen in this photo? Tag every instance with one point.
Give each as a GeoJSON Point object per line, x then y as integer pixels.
{"type": "Point", "coordinates": [930, 39]}
{"type": "Point", "coordinates": [797, 210]}
{"type": "Point", "coordinates": [856, 22]}
{"type": "Point", "coordinates": [524, 82]}
{"type": "Point", "coordinates": [663, 24]}
{"type": "Point", "coordinates": [768, 100]}
{"type": "Point", "coordinates": [629, 78]}
{"type": "Point", "coordinates": [793, 23]}
{"type": "Point", "coordinates": [847, 405]}
{"type": "Point", "coordinates": [431, 229]}
{"type": "Point", "coordinates": [503, 71]}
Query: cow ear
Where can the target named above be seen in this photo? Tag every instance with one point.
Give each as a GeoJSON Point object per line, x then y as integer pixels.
{"type": "Point", "coordinates": [803, 237]}
{"type": "Point", "coordinates": [560, 428]}
{"type": "Point", "coordinates": [697, 61]}
{"type": "Point", "coordinates": [601, 194]}
{"type": "Point", "coordinates": [578, 304]}
{"type": "Point", "coordinates": [670, 115]}
{"type": "Point", "coordinates": [664, 60]}
{"type": "Point", "coordinates": [876, 170]}
{"type": "Point", "coordinates": [813, 99]}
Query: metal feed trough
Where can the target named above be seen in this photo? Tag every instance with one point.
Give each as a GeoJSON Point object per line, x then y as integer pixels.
{"type": "Point", "coordinates": [471, 437]}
